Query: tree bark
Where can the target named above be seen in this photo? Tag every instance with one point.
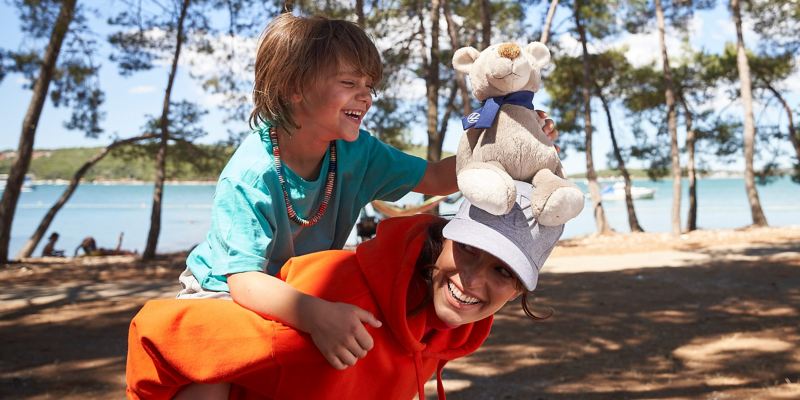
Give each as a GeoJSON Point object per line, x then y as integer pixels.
{"type": "Point", "coordinates": [161, 157]}
{"type": "Point", "coordinates": [432, 88]}
{"type": "Point", "coordinates": [548, 22]}
{"type": "Point", "coordinates": [486, 24]}
{"type": "Point", "coordinates": [633, 221]}
{"type": "Point", "coordinates": [759, 219]}
{"type": "Point", "coordinates": [16, 176]}
{"type": "Point", "coordinates": [360, 14]}
{"type": "Point", "coordinates": [672, 125]}
{"type": "Point", "coordinates": [591, 175]}
{"type": "Point", "coordinates": [691, 139]}
{"type": "Point", "coordinates": [792, 131]}
{"type": "Point", "coordinates": [36, 237]}
{"type": "Point", "coordinates": [461, 79]}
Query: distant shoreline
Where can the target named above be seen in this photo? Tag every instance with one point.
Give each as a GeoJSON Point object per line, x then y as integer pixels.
{"type": "Point", "coordinates": [65, 182]}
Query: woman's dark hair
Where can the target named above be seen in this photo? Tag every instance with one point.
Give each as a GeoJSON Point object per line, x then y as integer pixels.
{"type": "Point", "coordinates": [431, 250]}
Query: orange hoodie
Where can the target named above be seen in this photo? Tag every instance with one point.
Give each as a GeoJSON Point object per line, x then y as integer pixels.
{"type": "Point", "coordinates": [172, 343]}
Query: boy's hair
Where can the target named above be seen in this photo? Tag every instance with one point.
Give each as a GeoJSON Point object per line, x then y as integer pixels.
{"type": "Point", "coordinates": [294, 52]}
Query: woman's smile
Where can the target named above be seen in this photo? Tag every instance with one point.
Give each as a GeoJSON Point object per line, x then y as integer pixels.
{"type": "Point", "coordinates": [469, 284]}
{"type": "Point", "coordinates": [459, 297]}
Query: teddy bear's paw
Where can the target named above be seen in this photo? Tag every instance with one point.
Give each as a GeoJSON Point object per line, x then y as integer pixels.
{"type": "Point", "coordinates": [564, 204]}
{"type": "Point", "coordinates": [488, 189]}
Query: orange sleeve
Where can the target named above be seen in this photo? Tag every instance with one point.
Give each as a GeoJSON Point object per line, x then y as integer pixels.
{"type": "Point", "coordinates": [172, 343]}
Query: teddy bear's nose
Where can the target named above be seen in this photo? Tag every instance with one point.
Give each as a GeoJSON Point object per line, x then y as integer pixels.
{"type": "Point", "coordinates": [508, 50]}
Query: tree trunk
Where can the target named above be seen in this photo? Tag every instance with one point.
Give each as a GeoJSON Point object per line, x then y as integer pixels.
{"type": "Point", "coordinates": [36, 237]}
{"type": "Point", "coordinates": [792, 131]}
{"type": "Point", "coordinates": [432, 88]}
{"type": "Point", "coordinates": [633, 221]}
{"type": "Point", "coordinates": [360, 14]}
{"type": "Point", "coordinates": [161, 157]}
{"type": "Point", "coordinates": [591, 175]}
{"type": "Point", "coordinates": [672, 124]}
{"type": "Point", "coordinates": [486, 24]}
{"type": "Point", "coordinates": [461, 79]}
{"type": "Point", "coordinates": [551, 12]}
{"type": "Point", "coordinates": [16, 176]}
{"type": "Point", "coordinates": [759, 219]}
{"type": "Point", "coordinates": [691, 217]}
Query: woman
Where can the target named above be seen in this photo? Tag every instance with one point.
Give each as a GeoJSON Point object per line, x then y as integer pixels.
{"type": "Point", "coordinates": [434, 284]}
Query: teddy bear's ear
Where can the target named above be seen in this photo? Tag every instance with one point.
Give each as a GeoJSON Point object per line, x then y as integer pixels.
{"type": "Point", "coordinates": [464, 57]}
{"type": "Point", "coordinates": [539, 53]}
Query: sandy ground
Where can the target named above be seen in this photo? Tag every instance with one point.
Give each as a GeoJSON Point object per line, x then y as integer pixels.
{"type": "Point", "coordinates": [709, 315]}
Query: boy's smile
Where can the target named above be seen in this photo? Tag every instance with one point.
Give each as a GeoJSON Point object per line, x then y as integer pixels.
{"type": "Point", "coordinates": [334, 106]}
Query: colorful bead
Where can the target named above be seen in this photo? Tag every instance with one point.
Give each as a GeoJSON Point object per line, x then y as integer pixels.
{"type": "Point", "coordinates": [329, 183]}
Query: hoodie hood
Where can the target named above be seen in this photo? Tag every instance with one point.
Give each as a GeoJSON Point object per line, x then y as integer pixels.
{"type": "Point", "coordinates": [401, 240]}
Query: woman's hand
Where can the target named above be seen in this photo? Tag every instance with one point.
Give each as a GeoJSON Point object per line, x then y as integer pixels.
{"type": "Point", "coordinates": [338, 331]}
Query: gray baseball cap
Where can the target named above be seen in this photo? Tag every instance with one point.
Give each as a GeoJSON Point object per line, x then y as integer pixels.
{"type": "Point", "coordinates": [516, 238]}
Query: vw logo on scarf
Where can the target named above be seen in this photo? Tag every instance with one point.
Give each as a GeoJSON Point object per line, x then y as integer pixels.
{"type": "Point", "coordinates": [484, 117]}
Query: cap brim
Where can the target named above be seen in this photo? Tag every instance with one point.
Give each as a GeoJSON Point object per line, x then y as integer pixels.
{"type": "Point", "coordinates": [489, 240]}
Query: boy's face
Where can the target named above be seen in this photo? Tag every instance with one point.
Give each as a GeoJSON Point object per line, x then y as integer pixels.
{"type": "Point", "coordinates": [470, 284]}
{"type": "Point", "coordinates": [334, 106]}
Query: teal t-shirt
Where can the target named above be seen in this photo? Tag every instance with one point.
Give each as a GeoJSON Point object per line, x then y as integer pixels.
{"type": "Point", "coordinates": [250, 226]}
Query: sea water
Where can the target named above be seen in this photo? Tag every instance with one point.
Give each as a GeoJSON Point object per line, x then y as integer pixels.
{"type": "Point", "coordinates": [105, 211]}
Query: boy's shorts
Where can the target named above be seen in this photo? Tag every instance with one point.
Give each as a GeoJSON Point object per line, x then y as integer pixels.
{"type": "Point", "coordinates": [191, 289]}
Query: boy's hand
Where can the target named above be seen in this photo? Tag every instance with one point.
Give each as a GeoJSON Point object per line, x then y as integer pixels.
{"type": "Point", "coordinates": [337, 330]}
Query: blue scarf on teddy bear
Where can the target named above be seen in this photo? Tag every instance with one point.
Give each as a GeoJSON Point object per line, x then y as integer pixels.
{"type": "Point", "coordinates": [484, 117]}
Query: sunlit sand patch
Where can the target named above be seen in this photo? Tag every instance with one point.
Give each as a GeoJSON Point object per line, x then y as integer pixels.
{"type": "Point", "coordinates": [725, 380]}
{"type": "Point", "coordinates": [670, 316]}
{"type": "Point", "coordinates": [598, 344]}
{"type": "Point", "coordinates": [450, 386]}
{"type": "Point", "coordinates": [90, 311]}
{"type": "Point", "coordinates": [739, 307]}
{"type": "Point", "coordinates": [94, 368]}
{"type": "Point", "coordinates": [630, 381]}
{"type": "Point", "coordinates": [709, 354]}
{"type": "Point", "coordinates": [496, 360]}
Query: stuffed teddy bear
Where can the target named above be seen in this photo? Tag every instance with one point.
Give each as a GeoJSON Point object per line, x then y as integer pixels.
{"type": "Point", "coordinates": [504, 140]}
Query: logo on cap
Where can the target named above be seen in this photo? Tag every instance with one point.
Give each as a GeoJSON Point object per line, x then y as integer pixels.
{"type": "Point", "coordinates": [474, 117]}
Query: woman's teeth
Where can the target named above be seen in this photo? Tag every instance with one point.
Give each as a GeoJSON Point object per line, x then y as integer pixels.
{"type": "Point", "coordinates": [460, 296]}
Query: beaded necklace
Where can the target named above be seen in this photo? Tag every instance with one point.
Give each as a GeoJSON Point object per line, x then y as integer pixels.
{"type": "Point", "coordinates": [329, 183]}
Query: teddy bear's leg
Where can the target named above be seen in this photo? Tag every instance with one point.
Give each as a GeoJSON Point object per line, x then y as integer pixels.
{"type": "Point", "coordinates": [555, 200]}
{"type": "Point", "coordinates": [488, 186]}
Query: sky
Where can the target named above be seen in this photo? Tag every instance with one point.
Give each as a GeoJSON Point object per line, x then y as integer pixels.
{"type": "Point", "coordinates": [129, 99]}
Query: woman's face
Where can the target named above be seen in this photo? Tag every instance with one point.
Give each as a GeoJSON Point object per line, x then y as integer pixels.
{"type": "Point", "coordinates": [470, 284]}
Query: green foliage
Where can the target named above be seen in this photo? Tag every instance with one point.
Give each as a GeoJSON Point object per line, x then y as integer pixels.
{"type": "Point", "coordinates": [75, 83]}
{"type": "Point", "coordinates": [777, 22]}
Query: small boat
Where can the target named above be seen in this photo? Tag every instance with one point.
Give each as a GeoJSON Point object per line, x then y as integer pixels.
{"type": "Point", "coordinates": [617, 192]}
{"type": "Point", "coordinates": [27, 184]}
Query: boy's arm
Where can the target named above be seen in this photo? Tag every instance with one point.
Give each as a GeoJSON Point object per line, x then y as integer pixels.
{"type": "Point", "coordinates": [439, 178]}
{"type": "Point", "coordinates": [337, 329]}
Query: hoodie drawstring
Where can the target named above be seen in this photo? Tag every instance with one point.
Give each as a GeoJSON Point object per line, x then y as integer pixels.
{"type": "Point", "coordinates": [418, 367]}
{"type": "Point", "coordinates": [439, 384]}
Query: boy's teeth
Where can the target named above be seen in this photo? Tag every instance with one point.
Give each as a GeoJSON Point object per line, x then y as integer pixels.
{"type": "Point", "coordinates": [460, 296]}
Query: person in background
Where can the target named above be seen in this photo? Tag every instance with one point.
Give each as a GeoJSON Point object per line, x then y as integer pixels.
{"type": "Point", "coordinates": [49, 249]}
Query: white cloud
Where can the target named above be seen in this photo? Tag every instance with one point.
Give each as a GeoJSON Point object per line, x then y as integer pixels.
{"type": "Point", "coordinates": [141, 89]}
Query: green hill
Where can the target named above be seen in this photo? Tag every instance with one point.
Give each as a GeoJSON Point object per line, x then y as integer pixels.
{"type": "Point", "coordinates": [63, 163]}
